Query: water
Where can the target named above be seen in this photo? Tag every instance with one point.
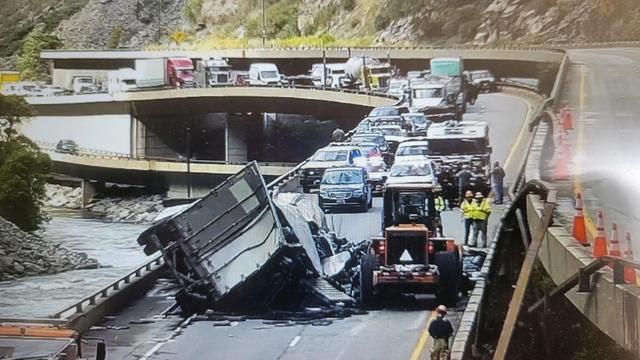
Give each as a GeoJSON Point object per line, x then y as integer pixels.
{"type": "Point", "coordinates": [112, 244]}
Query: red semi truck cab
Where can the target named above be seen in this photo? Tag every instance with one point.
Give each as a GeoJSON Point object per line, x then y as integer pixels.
{"type": "Point", "coordinates": [179, 72]}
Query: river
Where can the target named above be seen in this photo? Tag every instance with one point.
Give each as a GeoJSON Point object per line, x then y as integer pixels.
{"type": "Point", "coordinates": [112, 244]}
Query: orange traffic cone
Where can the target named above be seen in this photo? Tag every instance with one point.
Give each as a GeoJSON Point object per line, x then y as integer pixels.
{"type": "Point", "coordinates": [600, 242]}
{"type": "Point", "coordinates": [579, 229]}
{"type": "Point", "coordinates": [567, 119]}
{"type": "Point", "coordinates": [614, 243]}
{"type": "Point", "coordinates": [629, 272]}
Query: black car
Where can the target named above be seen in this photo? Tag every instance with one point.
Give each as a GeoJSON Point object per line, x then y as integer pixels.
{"type": "Point", "coordinates": [67, 146]}
{"type": "Point", "coordinates": [345, 187]}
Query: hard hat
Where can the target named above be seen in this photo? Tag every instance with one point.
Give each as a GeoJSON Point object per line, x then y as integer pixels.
{"type": "Point", "coordinates": [437, 188]}
{"type": "Point", "coordinates": [469, 193]}
{"type": "Point", "coordinates": [479, 195]}
{"type": "Point", "coordinates": [442, 309]}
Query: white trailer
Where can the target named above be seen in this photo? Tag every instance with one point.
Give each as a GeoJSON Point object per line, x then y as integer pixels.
{"type": "Point", "coordinates": [150, 72]}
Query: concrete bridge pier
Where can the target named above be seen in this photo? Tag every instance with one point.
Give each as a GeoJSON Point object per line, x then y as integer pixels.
{"type": "Point", "coordinates": [236, 129]}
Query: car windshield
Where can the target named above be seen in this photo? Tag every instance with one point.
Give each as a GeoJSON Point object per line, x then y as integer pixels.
{"type": "Point", "coordinates": [391, 131]}
{"type": "Point", "coordinates": [330, 155]}
{"type": "Point", "coordinates": [384, 112]}
{"type": "Point", "coordinates": [478, 75]}
{"type": "Point", "coordinates": [457, 146]}
{"type": "Point", "coordinates": [268, 74]}
{"type": "Point", "coordinates": [342, 177]}
{"type": "Point", "coordinates": [418, 120]}
{"type": "Point", "coordinates": [368, 148]}
{"type": "Point", "coordinates": [427, 93]}
{"type": "Point", "coordinates": [413, 150]}
{"type": "Point", "coordinates": [400, 170]}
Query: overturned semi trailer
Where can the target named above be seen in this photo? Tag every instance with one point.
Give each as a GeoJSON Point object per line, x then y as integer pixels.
{"type": "Point", "coordinates": [236, 248]}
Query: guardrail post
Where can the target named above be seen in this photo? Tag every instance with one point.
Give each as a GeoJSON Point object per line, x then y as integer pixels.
{"type": "Point", "coordinates": [127, 279]}
{"type": "Point", "coordinates": [105, 292]}
{"type": "Point", "coordinates": [79, 307]}
{"type": "Point", "coordinates": [138, 272]}
{"type": "Point", "coordinates": [147, 267]}
{"type": "Point", "coordinates": [584, 281]}
{"type": "Point", "coordinates": [618, 273]}
{"type": "Point", "coordinates": [92, 300]}
{"type": "Point", "coordinates": [116, 285]}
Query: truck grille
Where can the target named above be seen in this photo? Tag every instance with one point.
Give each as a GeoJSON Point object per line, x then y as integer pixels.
{"type": "Point", "coordinates": [223, 78]}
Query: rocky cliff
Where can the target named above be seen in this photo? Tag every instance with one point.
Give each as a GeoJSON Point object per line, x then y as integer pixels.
{"type": "Point", "coordinates": [137, 23]}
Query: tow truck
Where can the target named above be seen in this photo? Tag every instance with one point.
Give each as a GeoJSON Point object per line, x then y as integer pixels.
{"type": "Point", "coordinates": [408, 258]}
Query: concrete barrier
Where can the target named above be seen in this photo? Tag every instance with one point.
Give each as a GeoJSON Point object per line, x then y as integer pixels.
{"type": "Point", "coordinates": [612, 308]}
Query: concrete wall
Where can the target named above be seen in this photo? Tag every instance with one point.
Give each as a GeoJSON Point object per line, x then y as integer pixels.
{"type": "Point", "coordinates": [612, 308]}
{"type": "Point", "coordinates": [99, 132]}
{"type": "Point", "coordinates": [236, 139]}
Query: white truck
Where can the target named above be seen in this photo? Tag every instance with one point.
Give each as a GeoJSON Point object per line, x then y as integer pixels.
{"type": "Point", "coordinates": [264, 74]}
{"type": "Point", "coordinates": [211, 72]}
{"type": "Point", "coordinates": [150, 72]}
{"type": "Point", "coordinates": [333, 75]}
{"type": "Point", "coordinates": [122, 80]}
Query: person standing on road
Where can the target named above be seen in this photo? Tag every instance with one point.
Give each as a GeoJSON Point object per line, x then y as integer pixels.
{"type": "Point", "coordinates": [440, 330]}
{"type": "Point", "coordinates": [480, 217]}
{"type": "Point", "coordinates": [464, 177]}
{"type": "Point", "coordinates": [468, 207]}
{"type": "Point", "coordinates": [337, 135]}
{"type": "Point", "coordinates": [440, 207]}
{"type": "Point", "coordinates": [497, 178]}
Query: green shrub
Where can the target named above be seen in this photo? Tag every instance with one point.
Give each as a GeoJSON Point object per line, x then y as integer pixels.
{"type": "Point", "coordinates": [29, 62]}
{"type": "Point", "coordinates": [191, 11]}
{"type": "Point", "coordinates": [116, 36]}
{"type": "Point", "coordinates": [23, 168]}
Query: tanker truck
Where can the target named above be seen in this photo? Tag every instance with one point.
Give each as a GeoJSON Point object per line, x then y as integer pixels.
{"type": "Point", "coordinates": [367, 73]}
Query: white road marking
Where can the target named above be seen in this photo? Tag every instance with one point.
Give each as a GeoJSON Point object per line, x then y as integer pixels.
{"type": "Point", "coordinates": [356, 330]}
{"type": "Point", "coordinates": [151, 351]}
{"type": "Point", "coordinates": [295, 340]}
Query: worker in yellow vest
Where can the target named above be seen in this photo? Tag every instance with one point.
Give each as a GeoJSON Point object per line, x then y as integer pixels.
{"type": "Point", "coordinates": [468, 207]}
{"type": "Point", "coordinates": [440, 207]}
{"type": "Point", "coordinates": [480, 216]}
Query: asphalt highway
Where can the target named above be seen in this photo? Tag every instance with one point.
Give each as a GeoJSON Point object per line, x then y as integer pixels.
{"type": "Point", "coordinates": [395, 332]}
{"type": "Point", "coordinates": [601, 88]}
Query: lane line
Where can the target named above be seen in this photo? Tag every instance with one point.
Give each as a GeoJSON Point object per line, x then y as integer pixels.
{"type": "Point", "coordinates": [416, 354]}
{"type": "Point", "coordinates": [577, 183]}
{"type": "Point", "coordinates": [295, 340]}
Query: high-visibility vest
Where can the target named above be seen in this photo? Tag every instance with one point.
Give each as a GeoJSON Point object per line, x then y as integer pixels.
{"type": "Point", "coordinates": [482, 210]}
{"type": "Point", "coordinates": [468, 208]}
{"type": "Point", "coordinates": [439, 203]}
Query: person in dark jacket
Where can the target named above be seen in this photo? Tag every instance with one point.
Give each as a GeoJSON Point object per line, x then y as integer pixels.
{"type": "Point", "coordinates": [440, 330]}
{"type": "Point", "coordinates": [337, 135]}
{"type": "Point", "coordinates": [497, 178]}
{"type": "Point", "coordinates": [464, 178]}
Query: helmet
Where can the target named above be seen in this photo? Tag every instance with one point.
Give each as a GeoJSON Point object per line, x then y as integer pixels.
{"type": "Point", "coordinates": [437, 188]}
{"type": "Point", "coordinates": [469, 193]}
{"type": "Point", "coordinates": [442, 309]}
{"type": "Point", "coordinates": [479, 195]}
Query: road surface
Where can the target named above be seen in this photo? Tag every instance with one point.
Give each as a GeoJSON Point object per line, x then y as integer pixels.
{"type": "Point", "coordinates": [601, 88]}
{"type": "Point", "coordinates": [396, 332]}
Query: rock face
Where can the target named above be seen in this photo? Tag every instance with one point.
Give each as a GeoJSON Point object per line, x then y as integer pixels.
{"type": "Point", "coordinates": [63, 196]}
{"type": "Point", "coordinates": [135, 210]}
{"type": "Point", "coordinates": [143, 22]}
{"type": "Point", "coordinates": [23, 254]}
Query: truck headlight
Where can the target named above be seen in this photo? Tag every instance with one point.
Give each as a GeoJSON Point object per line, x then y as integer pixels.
{"type": "Point", "coordinates": [324, 194]}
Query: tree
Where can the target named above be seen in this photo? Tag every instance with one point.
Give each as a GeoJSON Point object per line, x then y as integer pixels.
{"type": "Point", "coordinates": [23, 168]}
{"type": "Point", "coordinates": [29, 62]}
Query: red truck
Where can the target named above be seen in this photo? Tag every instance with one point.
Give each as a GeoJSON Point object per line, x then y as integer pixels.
{"type": "Point", "coordinates": [179, 72]}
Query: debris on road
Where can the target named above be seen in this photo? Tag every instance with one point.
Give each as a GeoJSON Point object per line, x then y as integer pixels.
{"type": "Point", "coordinates": [244, 249]}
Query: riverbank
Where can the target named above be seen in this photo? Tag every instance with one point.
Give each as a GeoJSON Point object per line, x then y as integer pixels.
{"type": "Point", "coordinates": [137, 209]}
{"type": "Point", "coordinates": [23, 254]}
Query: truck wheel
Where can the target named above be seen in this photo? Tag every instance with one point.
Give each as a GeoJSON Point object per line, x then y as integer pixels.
{"type": "Point", "coordinates": [367, 265]}
{"type": "Point", "coordinates": [447, 293]}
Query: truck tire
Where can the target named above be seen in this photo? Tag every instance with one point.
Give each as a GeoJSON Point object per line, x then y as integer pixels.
{"type": "Point", "coordinates": [367, 265]}
{"type": "Point", "coordinates": [447, 293]}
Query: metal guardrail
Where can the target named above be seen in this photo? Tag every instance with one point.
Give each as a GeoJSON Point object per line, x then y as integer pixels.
{"type": "Point", "coordinates": [81, 306]}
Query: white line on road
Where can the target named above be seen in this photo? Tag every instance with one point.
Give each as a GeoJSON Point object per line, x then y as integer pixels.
{"type": "Point", "coordinates": [295, 340]}
{"type": "Point", "coordinates": [151, 351]}
{"type": "Point", "coordinates": [357, 329]}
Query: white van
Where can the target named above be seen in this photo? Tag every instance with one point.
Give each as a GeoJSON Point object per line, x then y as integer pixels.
{"type": "Point", "coordinates": [264, 74]}
{"type": "Point", "coordinates": [121, 80]}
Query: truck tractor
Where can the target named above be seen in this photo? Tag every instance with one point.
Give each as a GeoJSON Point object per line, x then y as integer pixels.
{"type": "Point", "coordinates": [367, 73]}
{"type": "Point", "coordinates": [408, 258]}
{"type": "Point", "coordinates": [212, 72]}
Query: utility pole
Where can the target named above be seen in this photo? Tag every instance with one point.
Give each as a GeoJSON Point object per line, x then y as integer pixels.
{"type": "Point", "coordinates": [324, 67]}
{"type": "Point", "coordinates": [364, 73]}
{"type": "Point", "coordinates": [264, 23]}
